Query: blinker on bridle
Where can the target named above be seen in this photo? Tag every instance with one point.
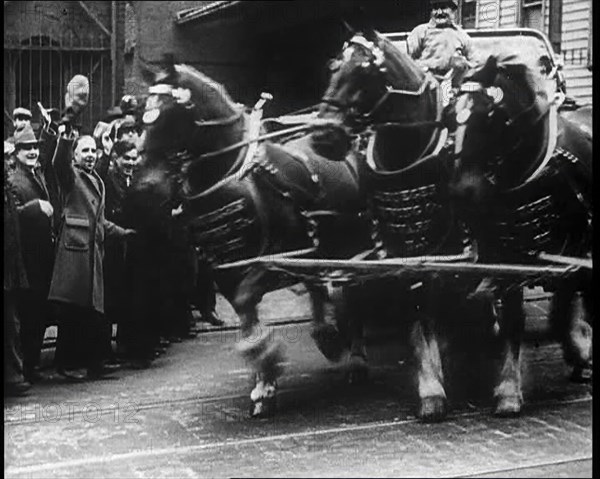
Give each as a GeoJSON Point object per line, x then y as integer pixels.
{"type": "Point", "coordinates": [494, 93]}
{"type": "Point", "coordinates": [377, 59]}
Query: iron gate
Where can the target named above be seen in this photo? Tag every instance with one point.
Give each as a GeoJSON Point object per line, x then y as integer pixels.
{"type": "Point", "coordinates": [39, 68]}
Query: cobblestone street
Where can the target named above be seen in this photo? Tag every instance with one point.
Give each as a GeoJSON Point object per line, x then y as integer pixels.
{"type": "Point", "coordinates": [188, 417]}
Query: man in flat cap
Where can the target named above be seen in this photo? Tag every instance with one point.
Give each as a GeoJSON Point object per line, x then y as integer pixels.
{"type": "Point", "coordinates": [21, 118]}
{"type": "Point", "coordinates": [15, 280]}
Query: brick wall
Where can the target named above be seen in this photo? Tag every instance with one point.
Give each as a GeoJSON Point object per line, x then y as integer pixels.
{"type": "Point", "coordinates": [281, 47]}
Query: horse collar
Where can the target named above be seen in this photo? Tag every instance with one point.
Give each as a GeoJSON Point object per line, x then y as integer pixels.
{"type": "Point", "coordinates": [551, 145]}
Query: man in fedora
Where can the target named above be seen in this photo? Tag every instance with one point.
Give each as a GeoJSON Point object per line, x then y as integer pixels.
{"type": "Point", "coordinates": [440, 44]}
{"type": "Point", "coordinates": [35, 212]}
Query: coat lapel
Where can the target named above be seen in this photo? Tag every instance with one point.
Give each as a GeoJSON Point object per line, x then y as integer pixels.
{"type": "Point", "coordinates": [95, 181]}
{"type": "Point", "coordinates": [40, 182]}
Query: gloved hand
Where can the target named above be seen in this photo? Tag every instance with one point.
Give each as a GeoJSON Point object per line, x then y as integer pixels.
{"type": "Point", "coordinates": [76, 97]}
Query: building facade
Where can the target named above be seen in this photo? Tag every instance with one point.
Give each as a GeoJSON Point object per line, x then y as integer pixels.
{"type": "Point", "coordinates": [280, 47]}
{"type": "Point", "coordinates": [46, 43]}
{"type": "Point", "coordinates": [567, 23]}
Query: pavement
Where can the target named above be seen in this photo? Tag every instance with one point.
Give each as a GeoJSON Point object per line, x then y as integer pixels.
{"type": "Point", "coordinates": [187, 416]}
{"type": "Point", "coordinates": [285, 305]}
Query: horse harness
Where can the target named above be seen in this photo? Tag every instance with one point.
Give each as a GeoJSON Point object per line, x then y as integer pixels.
{"type": "Point", "coordinates": [409, 211]}
{"type": "Point", "coordinates": [229, 221]}
{"type": "Point", "coordinates": [528, 213]}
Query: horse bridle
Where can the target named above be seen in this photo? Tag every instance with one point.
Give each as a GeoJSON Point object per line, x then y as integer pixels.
{"type": "Point", "coordinates": [182, 157]}
{"type": "Point", "coordinates": [496, 104]}
{"type": "Point", "coordinates": [376, 60]}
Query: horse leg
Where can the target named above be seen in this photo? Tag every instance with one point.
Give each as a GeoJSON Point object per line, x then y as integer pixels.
{"type": "Point", "coordinates": [570, 318]}
{"type": "Point", "coordinates": [325, 333]}
{"type": "Point", "coordinates": [257, 345]}
{"type": "Point", "coordinates": [511, 320]}
{"type": "Point", "coordinates": [358, 368]}
{"type": "Point", "coordinates": [348, 309]}
{"type": "Point", "coordinates": [430, 376]}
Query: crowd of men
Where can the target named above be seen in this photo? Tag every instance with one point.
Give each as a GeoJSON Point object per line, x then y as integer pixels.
{"type": "Point", "coordinates": [65, 192]}
{"type": "Point", "coordinates": [72, 257]}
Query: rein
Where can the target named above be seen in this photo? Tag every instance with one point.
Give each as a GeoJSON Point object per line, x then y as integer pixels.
{"type": "Point", "coordinates": [222, 122]}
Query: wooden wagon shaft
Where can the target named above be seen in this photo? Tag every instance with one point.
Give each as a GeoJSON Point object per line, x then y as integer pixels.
{"type": "Point", "coordinates": [260, 259]}
{"type": "Point", "coordinates": [299, 265]}
{"type": "Point", "coordinates": [263, 260]}
{"type": "Point", "coordinates": [568, 260]}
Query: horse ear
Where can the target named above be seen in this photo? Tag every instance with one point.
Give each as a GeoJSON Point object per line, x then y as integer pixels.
{"type": "Point", "coordinates": [370, 34]}
{"type": "Point", "coordinates": [169, 68]}
{"type": "Point", "coordinates": [378, 39]}
{"type": "Point", "coordinates": [486, 74]}
{"type": "Point", "coordinates": [351, 31]}
{"type": "Point", "coordinates": [148, 74]}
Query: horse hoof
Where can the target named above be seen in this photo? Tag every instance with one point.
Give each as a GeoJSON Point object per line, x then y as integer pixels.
{"type": "Point", "coordinates": [432, 409]}
{"type": "Point", "coordinates": [358, 373]}
{"type": "Point", "coordinates": [328, 341]}
{"type": "Point", "coordinates": [508, 406]}
{"type": "Point", "coordinates": [582, 374]}
{"type": "Point", "coordinates": [263, 408]}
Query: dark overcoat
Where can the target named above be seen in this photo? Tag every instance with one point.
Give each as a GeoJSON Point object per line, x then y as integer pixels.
{"type": "Point", "coordinates": [29, 187]}
{"type": "Point", "coordinates": [78, 272]}
{"type": "Point", "coordinates": [14, 270]}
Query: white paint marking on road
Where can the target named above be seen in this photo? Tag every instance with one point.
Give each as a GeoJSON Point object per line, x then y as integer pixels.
{"type": "Point", "coordinates": [199, 447]}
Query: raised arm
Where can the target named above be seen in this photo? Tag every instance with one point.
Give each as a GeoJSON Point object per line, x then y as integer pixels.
{"type": "Point", "coordinates": [62, 163]}
{"type": "Point", "coordinates": [102, 166]}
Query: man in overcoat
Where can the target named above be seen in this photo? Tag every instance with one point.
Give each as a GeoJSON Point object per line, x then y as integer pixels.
{"type": "Point", "coordinates": [35, 210]}
{"type": "Point", "coordinates": [78, 279]}
{"type": "Point", "coordinates": [118, 274]}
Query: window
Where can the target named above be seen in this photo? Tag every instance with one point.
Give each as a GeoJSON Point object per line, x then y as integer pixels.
{"type": "Point", "coordinates": [531, 14]}
{"type": "Point", "coordinates": [468, 13]}
{"type": "Point", "coordinates": [555, 8]}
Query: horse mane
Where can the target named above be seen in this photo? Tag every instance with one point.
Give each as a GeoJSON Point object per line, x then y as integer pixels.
{"type": "Point", "coordinates": [203, 86]}
{"type": "Point", "coordinates": [402, 71]}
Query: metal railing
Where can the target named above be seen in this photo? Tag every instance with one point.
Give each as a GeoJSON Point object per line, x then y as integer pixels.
{"type": "Point", "coordinates": [39, 68]}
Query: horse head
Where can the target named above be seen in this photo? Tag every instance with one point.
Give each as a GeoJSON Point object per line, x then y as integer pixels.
{"type": "Point", "coordinates": [364, 78]}
{"type": "Point", "coordinates": [497, 112]}
{"type": "Point", "coordinates": [187, 115]}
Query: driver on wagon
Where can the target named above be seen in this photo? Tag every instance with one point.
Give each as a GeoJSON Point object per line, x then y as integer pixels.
{"type": "Point", "coordinates": [441, 45]}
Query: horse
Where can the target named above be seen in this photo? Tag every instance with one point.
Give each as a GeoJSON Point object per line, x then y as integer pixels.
{"type": "Point", "coordinates": [378, 90]}
{"type": "Point", "coordinates": [523, 182]}
{"type": "Point", "coordinates": [243, 198]}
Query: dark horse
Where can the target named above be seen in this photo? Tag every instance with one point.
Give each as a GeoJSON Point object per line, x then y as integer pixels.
{"type": "Point", "coordinates": [242, 199]}
{"type": "Point", "coordinates": [523, 181]}
{"type": "Point", "coordinates": [377, 88]}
